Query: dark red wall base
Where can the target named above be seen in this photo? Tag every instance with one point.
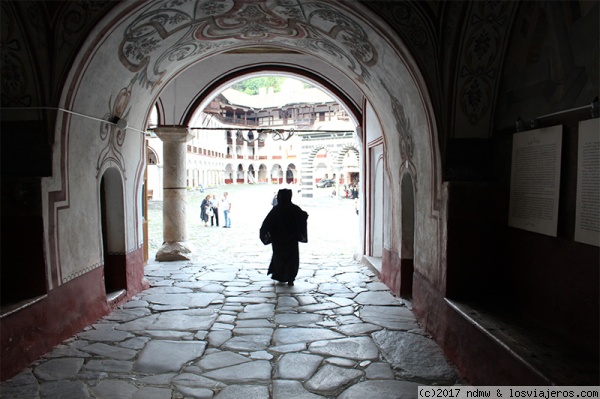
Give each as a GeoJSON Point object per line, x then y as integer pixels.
{"type": "Point", "coordinates": [28, 334]}
{"type": "Point", "coordinates": [33, 331]}
{"type": "Point", "coordinates": [397, 273]}
{"type": "Point", "coordinates": [136, 281]}
{"type": "Point", "coordinates": [479, 359]}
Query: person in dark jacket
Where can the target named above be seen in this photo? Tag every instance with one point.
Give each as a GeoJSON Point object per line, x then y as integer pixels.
{"type": "Point", "coordinates": [204, 210]}
{"type": "Point", "coordinates": [284, 226]}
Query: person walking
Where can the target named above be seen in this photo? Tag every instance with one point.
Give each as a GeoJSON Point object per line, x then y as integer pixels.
{"type": "Point", "coordinates": [204, 210]}
{"type": "Point", "coordinates": [284, 226]}
{"type": "Point", "coordinates": [214, 203]}
{"type": "Point", "coordinates": [226, 205]}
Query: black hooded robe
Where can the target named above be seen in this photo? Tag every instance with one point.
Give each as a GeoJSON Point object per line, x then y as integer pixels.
{"type": "Point", "coordinates": [283, 228]}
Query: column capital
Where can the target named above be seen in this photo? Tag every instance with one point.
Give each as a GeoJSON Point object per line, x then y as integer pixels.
{"type": "Point", "coordinates": [179, 134]}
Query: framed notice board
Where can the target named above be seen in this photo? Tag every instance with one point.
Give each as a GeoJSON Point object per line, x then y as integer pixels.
{"type": "Point", "coordinates": [535, 180]}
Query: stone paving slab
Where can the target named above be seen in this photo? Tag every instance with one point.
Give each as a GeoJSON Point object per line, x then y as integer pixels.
{"type": "Point", "coordinates": [62, 389]}
{"type": "Point", "coordinates": [114, 389]}
{"type": "Point", "coordinates": [297, 366]}
{"type": "Point", "coordinates": [248, 343]}
{"type": "Point", "coordinates": [258, 371]}
{"type": "Point", "coordinates": [330, 379]}
{"type": "Point", "coordinates": [109, 366]}
{"type": "Point", "coordinates": [359, 348]}
{"type": "Point", "coordinates": [105, 335]}
{"type": "Point", "coordinates": [302, 335]}
{"type": "Point", "coordinates": [185, 300]}
{"type": "Point", "coordinates": [221, 359]}
{"type": "Point", "coordinates": [381, 389]}
{"type": "Point", "coordinates": [110, 351]}
{"type": "Point", "coordinates": [415, 356]}
{"type": "Point", "coordinates": [164, 356]}
{"type": "Point", "coordinates": [244, 391]}
{"type": "Point", "coordinates": [390, 317]}
{"type": "Point", "coordinates": [192, 380]}
{"type": "Point", "coordinates": [298, 319]}
{"type": "Point", "coordinates": [285, 389]}
{"type": "Point", "coordinates": [59, 369]}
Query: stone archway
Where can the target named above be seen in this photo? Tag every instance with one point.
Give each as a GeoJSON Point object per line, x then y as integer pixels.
{"type": "Point", "coordinates": [139, 48]}
{"type": "Point", "coordinates": [347, 165]}
{"type": "Point", "coordinates": [136, 55]}
{"type": "Point", "coordinates": [312, 169]}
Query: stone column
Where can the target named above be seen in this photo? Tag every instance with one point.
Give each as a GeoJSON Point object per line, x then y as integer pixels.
{"type": "Point", "coordinates": [174, 193]}
{"type": "Point", "coordinates": [234, 158]}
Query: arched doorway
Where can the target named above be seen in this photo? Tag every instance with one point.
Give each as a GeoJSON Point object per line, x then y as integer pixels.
{"type": "Point", "coordinates": [239, 176]}
{"type": "Point", "coordinates": [393, 86]}
{"type": "Point", "coordinates": [113, 233]}
{"type": "Point", "coordinates": [132, 55]}
{"type": "Point", "coordinates": [376, 203]}
{"type": "Point", "coordinates": [229, 178]}
{"type": "Point", "coordinates": [290, 174]}
{"type": "Point", "coordinates": [154, 174]}
{"type": "Point", "coordinates": [262, 173]}
{"type": "Point", "coordinates": [407, 223]}
{"type": "Point", "coordinates": [276, 174]}
{"type": "Point", "coordinates": [251, 174]}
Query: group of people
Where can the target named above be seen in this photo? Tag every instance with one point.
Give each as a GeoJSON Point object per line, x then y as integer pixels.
{"type": "Point", "coordinates": [209, 209]}
{"type": "Point", "coordinates": [351, 191]}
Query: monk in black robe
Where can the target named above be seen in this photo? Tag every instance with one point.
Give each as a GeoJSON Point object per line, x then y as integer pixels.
{"type": "Point", "coordinates": [283, 228]}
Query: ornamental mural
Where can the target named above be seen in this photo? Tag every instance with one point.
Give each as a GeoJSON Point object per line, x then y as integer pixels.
{"type": "Point", "coordinates": [163, 33]}
{"type": "Point", "coordinates": [482, 58]}
{"type": "Point", "coordinates": [112, 135]}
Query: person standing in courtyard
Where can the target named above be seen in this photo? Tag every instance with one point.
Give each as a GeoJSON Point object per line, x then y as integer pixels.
{"type": "Point", "coordinates": [226, 205]}
{"type": "Point", "coordinates": [214, 203]}
{"type": "Point", "coordinates": [283, 227]}
{"type": "Point", "coordinates": [204, 210]}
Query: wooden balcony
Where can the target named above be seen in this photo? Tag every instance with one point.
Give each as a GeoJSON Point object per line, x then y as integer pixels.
{"type": "Point", "coordinates": [304, 122]}
{"type": "Point", "coordinates": [237, 121]}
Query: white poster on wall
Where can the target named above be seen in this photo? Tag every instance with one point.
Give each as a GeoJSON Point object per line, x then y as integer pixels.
{"type": "Point", "coordinates": [535, 180]}
{"type": "Point", "coordinates": [587, 214]}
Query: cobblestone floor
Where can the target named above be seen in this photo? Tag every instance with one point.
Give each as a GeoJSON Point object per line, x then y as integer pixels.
{"type": "Point", "coordinates": [218, 327]}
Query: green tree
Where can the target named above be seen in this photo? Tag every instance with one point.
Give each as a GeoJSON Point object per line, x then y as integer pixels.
{"type": "Point", "coordinates": [251, 86]}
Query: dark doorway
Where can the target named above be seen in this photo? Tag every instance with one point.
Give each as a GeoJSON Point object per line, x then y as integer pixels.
{"type": "Point", "coordinates": [113, 233]}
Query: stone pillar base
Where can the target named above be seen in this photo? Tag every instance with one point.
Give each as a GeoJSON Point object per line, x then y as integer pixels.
{"type": "Point", "coordinates": [173, 251]}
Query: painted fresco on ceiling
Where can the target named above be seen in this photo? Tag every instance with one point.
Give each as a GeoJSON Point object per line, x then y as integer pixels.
{"type": "Point", "coordinates": [167, 32]}
{"type": "Point", "coordinates": [481, 58]}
